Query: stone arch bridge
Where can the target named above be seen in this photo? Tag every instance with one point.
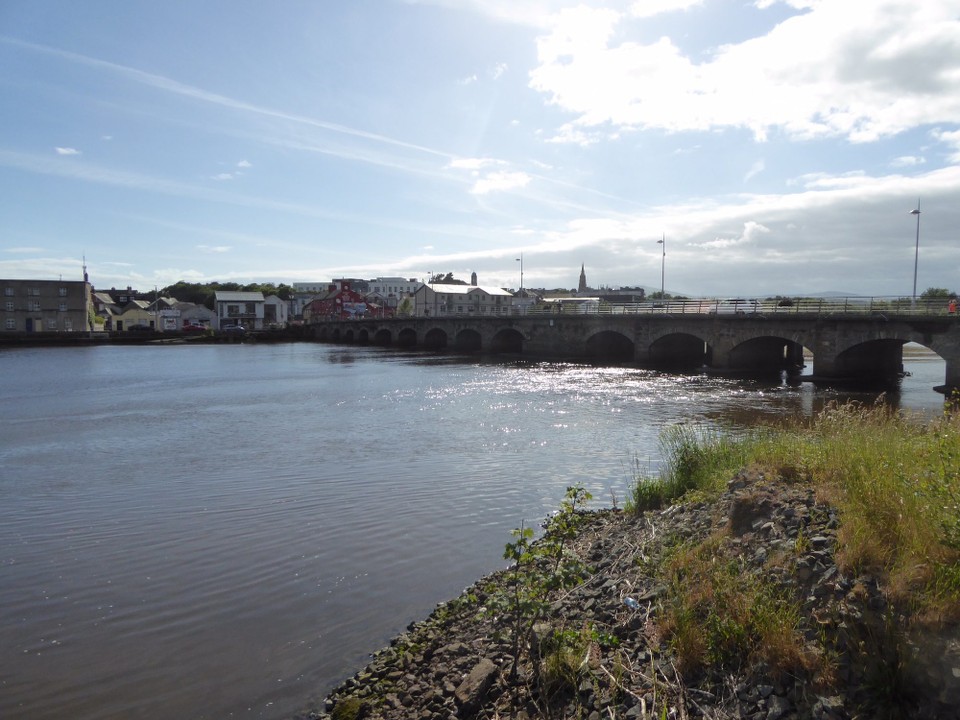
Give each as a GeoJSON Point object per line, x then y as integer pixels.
{"type": "Point", "coordinates": [844, 347]}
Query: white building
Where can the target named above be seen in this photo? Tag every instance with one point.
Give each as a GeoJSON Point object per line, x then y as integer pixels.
{"type": "Point", "coordinates": [397, 287]}
{"type": "Point", "coordinates": [239, 308]}
{"type": "Point", "coordinates": [439, 300]}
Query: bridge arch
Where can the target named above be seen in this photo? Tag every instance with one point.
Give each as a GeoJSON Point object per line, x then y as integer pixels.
{"type": "Point", "coordinates": [468, 340]}
{"type": "Point", "coordinates": [871, 360]}
{"type": "Point", "coordinates": [674, 351]}
{"type": "Point", "coordinates": [767, 352]}
{"type": "Point", "coordinates": [435, 339]}
{"type": "Point", "coordinates": [383, 337]}
{"type": "Point", "coordinates": [610, 345]}
{"type": "Point", "coordinates": [508, 341]}
{"type": "Point", "coordinates": [407, 337]}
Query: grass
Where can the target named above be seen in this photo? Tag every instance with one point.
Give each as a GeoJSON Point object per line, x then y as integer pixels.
{"type": "Point", "coordinates": [895, 482]}
{"type": "Point", "coordinates": [720, 616]}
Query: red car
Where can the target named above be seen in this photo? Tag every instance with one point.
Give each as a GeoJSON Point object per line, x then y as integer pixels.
{"type": "Point", "coordinates": [194, 328]}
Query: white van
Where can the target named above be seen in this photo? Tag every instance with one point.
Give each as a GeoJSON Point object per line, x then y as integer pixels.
{"type": "Point", "coordinates": [735, 306]}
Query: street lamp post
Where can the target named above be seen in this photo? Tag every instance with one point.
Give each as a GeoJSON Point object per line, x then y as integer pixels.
{"type": "Point", "coordinates": [520, 294]}
{"type": "Point", "coordinates": [663, 262]}
{"type": "Point", "coordinates": [916, 255]}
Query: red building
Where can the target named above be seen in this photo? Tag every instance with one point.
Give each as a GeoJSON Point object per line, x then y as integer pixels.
{"type": "Point", "coordinates": [337, 304]}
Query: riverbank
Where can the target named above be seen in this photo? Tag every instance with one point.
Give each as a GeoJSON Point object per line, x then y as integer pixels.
{"type": "Point", "coordinates": [641, 636]}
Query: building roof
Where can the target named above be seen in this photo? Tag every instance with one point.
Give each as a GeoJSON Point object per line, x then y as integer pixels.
{"type": "Point", "coordinates": [239, 296]}
{"type": "Point", "coordinates": [444, 289]}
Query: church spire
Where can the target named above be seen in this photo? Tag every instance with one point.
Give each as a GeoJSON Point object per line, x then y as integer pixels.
{"type": "Point", "coordinates": [583, 280]}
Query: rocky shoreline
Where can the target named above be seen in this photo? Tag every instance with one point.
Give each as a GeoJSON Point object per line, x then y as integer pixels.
{"type": "Point", "coordinates": [856, 656]}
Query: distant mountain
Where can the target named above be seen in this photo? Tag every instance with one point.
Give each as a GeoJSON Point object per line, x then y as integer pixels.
{"type": "Point", "coordinates": [829, 293]}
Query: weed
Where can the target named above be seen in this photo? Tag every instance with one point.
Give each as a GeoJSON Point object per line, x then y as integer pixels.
{"type": "Point", "coordinates": [350, 708]}
{"type": "Point", "coordinates": [537, 569]}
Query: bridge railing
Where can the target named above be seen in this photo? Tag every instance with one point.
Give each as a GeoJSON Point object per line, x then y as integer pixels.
{"type": "Point", "coordinates": [888, 306]}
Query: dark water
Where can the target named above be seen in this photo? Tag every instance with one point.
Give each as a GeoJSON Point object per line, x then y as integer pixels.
{"type": "Point", "coordinates": [227, 531]}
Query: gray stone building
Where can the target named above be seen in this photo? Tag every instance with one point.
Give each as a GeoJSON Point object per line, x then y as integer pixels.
{"type": "Point", "coordinates": [61, 306]}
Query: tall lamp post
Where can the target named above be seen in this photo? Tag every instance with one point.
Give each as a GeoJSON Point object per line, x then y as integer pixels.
{"type": "Point", "coordinates": [520, 294]}
{"type": "Point", "coordinates": [916, 255]}
{"type": "Point", "coordinates": [663, 262]}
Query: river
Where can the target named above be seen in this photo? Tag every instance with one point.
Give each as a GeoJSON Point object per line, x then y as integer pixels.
{"type": "Point", "coordinates": [227, 531]}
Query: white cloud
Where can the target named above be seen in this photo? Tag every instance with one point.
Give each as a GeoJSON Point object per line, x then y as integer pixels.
{"type": "Point", "coordinates": [758, 167]}
{"type": "Point", "coordinates": [469, 80]}
{"type": "Point", "coordinates": [67, 151]}
{"type": "Point", "coordinates": [213, 248]}
{"type": "Point", "coordinates": [752, 231]}
{"type": "Point", "coordinates": [907, 161]}
{"type": "Point", "coordinates": [838, 69]}
{"type": "Point", "coordinates": [244, 164]}
{"type": "Point", "coordinates": [24, 250]}
{"type": "Point", "coordinates": [498, 70]}
{"type": "Point", "coordinates": [223, 176]}
{"type": "Point", "coordinates": [499, 181]}
{"type": "Point", "coordinates": [649, 8]}
{"type": "Point", "coordinates": [473, 163]}
{"type": "Point", "coordinates": [952, 140]}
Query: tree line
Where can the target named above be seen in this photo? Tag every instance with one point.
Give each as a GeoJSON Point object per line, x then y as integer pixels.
{"type": "Point", "coordinates": [205, 293]}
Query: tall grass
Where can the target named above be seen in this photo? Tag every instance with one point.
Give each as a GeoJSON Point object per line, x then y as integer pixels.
{"type": "Point", "coordinates": [895, 481]}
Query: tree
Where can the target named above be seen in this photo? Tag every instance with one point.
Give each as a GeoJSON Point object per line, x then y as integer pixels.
{"type": "Point", "coordinates": [447, 279]}
{"type": "Point", "coordinates": [933, 293]}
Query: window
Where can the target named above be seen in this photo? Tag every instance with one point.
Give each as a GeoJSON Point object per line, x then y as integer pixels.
{"type": "Point", "coordinates": [33, 291]}
{"type": "Point", "coordinates": [8, 291]}
{"type": "Point", "coordinates": [251, 308]}
{"type": "Point", "coordinates": [33, 305]}
{"type": "Point", "coordinates": [63, 292]}
{"type": "Point", "coordinates": [9, 305]}
{"type": "Point", "coordinates": [51, 324]}
{"type": "Point", "coordinates": [11, 324]}
{"type": "Point", "coordinates": [63, 307]}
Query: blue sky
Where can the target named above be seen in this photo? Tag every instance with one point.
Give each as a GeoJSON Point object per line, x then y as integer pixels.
{"type": "Point", "coordinates": [777, 145]}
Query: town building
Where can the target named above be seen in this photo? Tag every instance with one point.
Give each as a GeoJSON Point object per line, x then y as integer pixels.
{"type": "Point", "coordinates": [136, 314]}
{"type": "Point", "coordinates": [244, 309]}
{"type": "Point", "coordinates": [337, 303]}
{"type": "Point", "coordinates": [61, 306]}
{"type": "Point", "coordinates": [194, 314]}
{"type": "Point", "coordinates": [443, 300]}
{"type": "Point", "coordinates": [276, 312]}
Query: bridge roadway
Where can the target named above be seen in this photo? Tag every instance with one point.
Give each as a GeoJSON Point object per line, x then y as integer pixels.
{"type": "Point", "coordinates": [845, 347]}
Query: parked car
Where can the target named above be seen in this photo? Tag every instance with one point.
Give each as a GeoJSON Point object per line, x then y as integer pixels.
{"type": "Point", "coordinates": [139, 328]}
{"type": "Point", "coordinates": [735, 306]}
{"type": "Point", "coordinates": [234, 330]}
{"type": "Point", "coordinates": [194, 328]}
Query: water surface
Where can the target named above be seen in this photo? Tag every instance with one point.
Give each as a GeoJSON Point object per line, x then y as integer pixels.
{"type": "Point", "coordinates": [227, 531]}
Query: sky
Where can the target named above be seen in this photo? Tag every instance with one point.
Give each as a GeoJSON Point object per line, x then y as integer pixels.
{"type": "Point", "coordinates": [774, 147]}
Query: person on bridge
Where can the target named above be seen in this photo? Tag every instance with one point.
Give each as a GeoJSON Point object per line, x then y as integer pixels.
{"type": "Point", "coordinates": [952, 306]}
